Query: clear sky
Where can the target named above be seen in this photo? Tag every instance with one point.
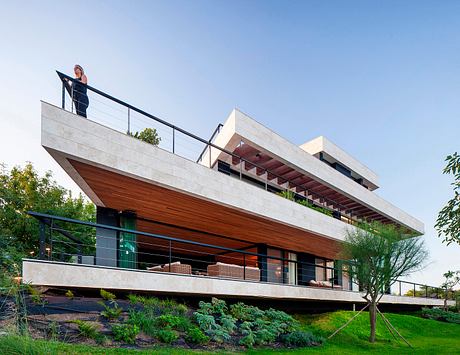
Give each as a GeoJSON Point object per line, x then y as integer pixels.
{"type": "Point", "coordinates": [380, 79]}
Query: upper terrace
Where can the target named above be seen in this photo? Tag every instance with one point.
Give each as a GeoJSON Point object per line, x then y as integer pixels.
{"type": "Point", "coordinates": [241, 148]}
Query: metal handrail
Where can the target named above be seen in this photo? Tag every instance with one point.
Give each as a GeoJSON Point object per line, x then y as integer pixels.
{"type": "Point", "coordinates": [217, 130]}
{"type": "Point", "coordinates": [49, 220]}
{"type": "Point", "coordinates": [342, 209]}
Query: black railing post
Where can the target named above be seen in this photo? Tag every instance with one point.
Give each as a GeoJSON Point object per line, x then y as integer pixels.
{"type": "Point", "coordinates": [71, 97]}
{"type": "Point", "coordinates": [210, 156]}
{"type": "Point", "coordinates": [79, 253]}
{"type": "Point", "coordinates": [170, 255]}
{"type": "Point", "coordinates": [426, 291]}
{"type": "Point", "coordinates": [129, 120]}
{"type": "Point", "coordinates": [266, 180]}
{"type": "Point", "coordinates": [174, 140]}
{"type": "Point", "coordinates": [244, 266]}
{"type": "Point", "coordinates": [400, 288]}
{"type": "Point", "coordinates": [41, 254]}
{"type": "Point", "coordinates": [63, 95]}
{"type": "Point", "coordinates": [414, 290]}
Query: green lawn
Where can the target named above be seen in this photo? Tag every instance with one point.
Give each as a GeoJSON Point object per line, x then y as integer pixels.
{"type": "Point", "coordinates": [427, 337]}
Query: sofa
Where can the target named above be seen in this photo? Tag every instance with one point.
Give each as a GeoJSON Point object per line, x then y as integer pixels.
{"type": "Point", "coordinates": [234, 271]}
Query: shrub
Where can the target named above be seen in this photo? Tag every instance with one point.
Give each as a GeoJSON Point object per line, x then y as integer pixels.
{"type": "Point", "coordinates": [219, 335]}
{"type": "Point", "coordinates": [216, 307]}
{"type": "Point", "coordinates": [441, 315]}
{"type": "Point", "coordinates": [206, 322]}
{"type": "Point", "coordinates": [167, 336]}
{"type": "Point", "coordinates": [125, 332]}
{"type": "Point", "coordinates": [301, 339]}
{"type": "Point", "coordinates": [288, 194]}
{"type": "Point", "coordinates": [143, 321]}
{"type": "Point", "coordinates": [87, 329]}
{"type": "Point", "coordinates": [173, 322]}
{"type": "Point", "coordinates": [244, 312]}
{"type": "Point", "coordinates": [108, 296]}
{"type": "Point", "coordinates": [196, 336]}
{"type": "Point", "coordinates": [111, 312]}
{"type": "Point", "coordinates": [265, 335]}
{"type": "Point", "coordinates": [148, 135]}
{"type": "Point", "coordinates": [157, 307]}
{"type": "Point", "coordinates": [228, 323]}
{"type": "Point", "coordinates": [248, 340]}
{"type": "Point", "coordinates": [69, 294]}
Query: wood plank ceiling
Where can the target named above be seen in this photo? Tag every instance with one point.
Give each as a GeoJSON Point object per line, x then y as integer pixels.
{"type": "Point", "coordinates": [279, 173]}
{"type": "Point", "coordinates": [156, 203]}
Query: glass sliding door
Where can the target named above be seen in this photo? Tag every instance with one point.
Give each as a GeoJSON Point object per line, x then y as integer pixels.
{"type": "Point", "coordinates": [292, 268]}
{"type": "Point", "coordinates": [127, 255]}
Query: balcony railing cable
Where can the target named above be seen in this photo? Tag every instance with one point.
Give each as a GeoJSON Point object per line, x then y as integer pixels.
{"type": "Point", "coordinates": [155, 249]}
{"type": "Point", "coordinates": [317, 198]}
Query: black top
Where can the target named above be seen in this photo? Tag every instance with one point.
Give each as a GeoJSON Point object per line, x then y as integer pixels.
{"type": "Point", "coordinates": [79, 87]}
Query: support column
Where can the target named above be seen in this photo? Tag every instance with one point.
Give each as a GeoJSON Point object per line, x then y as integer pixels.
{"type": "Point", "coordinates": [106, 239]}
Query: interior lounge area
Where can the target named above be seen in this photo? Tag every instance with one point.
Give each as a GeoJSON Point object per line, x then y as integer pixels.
{"type": "Point", "coordinates": [162, 247]}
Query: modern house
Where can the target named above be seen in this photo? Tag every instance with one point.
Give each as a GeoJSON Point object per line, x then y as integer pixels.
{"type": "Point", "coordinates": [253, 215]}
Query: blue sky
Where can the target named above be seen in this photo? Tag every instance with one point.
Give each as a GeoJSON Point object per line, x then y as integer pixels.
{"type": "Point", "coordinates": [380, 79]}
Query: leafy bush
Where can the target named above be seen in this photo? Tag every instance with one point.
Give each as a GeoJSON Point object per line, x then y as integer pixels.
{"type": "Point", "coordinates": [173, 322]}
{"type": "Point", "coordinates": [206, 322]}
{"type": "Point", "coordinates": [301, 339]}
{"type": "Point", "coordinates": [86, 329]}
{"type": "Point", "coordinates": [143, 321]}
{"type": "Point", "coordinates": [157, 307]}
{"type": "Point", "coordinates": [308, 204]}
{"type": "Point", "coordinates": [248, 340]}
{"type": "Point", "coordinates": [196, 336]}
{"type": "Point", "coordinates": [125, 332]}
{"type": "Point", "coordinates": [287, 194]}
{"type": "Point", "coordinates": [108, 296]}
{"type": "Point", "coordinates": [111, 312]}
{"type": "Point", "coordinates": [441, 315]}
{"type": "Point", "coordinates": [245, 312]}
{"type": "Point", "coordinates": [265, 335]}
{"type": "Point", "coordinates": [167, 335]}
{"type": "Point", "coordinates": [228, 323]}
{"type": "Point", "coordinates": [148, 135]}
{"type": "Point", "coordinates": [216, 307]}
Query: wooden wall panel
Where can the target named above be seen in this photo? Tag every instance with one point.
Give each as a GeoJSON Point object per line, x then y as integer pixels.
{"type": "Point", "coordinates": [168, 206]}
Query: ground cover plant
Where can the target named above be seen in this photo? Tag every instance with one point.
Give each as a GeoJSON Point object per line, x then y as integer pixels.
{"type": "Point", "coordinates": [426, 336]}
{"type": "Point", "coordinates": [441, 315]}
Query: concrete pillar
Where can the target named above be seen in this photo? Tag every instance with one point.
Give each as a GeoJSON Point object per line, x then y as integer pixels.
{"type": "Point", "coordinates": [106, 239]}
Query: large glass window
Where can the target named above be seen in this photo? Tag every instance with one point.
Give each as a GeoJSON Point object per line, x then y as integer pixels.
{"type": "Point", "coordinates": [274, 266]}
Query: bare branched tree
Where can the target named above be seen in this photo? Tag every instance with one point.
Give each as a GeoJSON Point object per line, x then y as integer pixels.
{"type": "Point", "coordinates": [379, 254]}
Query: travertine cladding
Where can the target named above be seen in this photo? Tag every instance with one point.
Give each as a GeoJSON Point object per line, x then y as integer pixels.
{"type": "Point", "coordinates": [322, 144]}
{"type": "Point", "coordinates": [241, 127]}
{"type": "Point", "coordinates": [66, 135]}
{"type": "Point", "coordinates": [74, 275]}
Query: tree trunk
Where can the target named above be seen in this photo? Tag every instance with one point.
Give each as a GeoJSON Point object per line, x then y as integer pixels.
{"type": "Point", "coordinates": [372, 319]}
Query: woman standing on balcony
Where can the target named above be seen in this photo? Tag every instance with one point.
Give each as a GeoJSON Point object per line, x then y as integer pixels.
{"type": "Point", "coordinates": [80, 97]}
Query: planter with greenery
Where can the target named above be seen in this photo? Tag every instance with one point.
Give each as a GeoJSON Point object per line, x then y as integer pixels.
{"type": "Point", "coordinates": [291, 196]}
{"type": "Point", "coordinates": [148, 135]}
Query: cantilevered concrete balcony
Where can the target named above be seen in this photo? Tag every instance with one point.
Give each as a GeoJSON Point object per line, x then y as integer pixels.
{"type": "Point", "coordinates": [67, 275]}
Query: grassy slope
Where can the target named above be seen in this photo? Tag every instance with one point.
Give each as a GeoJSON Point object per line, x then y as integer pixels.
{"type": "Point", "coordinates": [426, 336]}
